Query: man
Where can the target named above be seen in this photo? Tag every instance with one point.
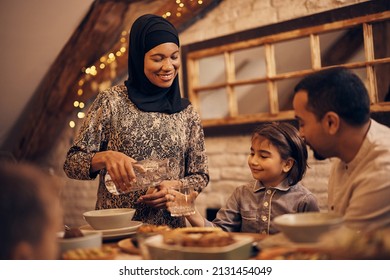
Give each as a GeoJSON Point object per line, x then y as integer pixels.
{"type": "Point", "coordinates": [333, 110]}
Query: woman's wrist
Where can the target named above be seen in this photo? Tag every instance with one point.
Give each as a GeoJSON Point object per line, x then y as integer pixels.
{"type": "Point", "coordinates": [98, 161]}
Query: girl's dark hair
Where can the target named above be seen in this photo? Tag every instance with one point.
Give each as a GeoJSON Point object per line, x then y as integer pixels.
{"type": "Point", "coordinates": [285, 137]}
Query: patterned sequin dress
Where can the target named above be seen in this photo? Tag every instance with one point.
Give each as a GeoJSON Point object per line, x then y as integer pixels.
{"type": "Point", "coordinates": [114, 119]}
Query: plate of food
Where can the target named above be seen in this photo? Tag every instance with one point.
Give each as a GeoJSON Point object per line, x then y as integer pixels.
{"type": "Point", "coordinates": [129, 245]}
{"type": "Point", "coordinates": [102, 253]}
{"type": "Point", "coordinates": [198, 243]}
{"type": "Point", "coordinates": [293, 253]}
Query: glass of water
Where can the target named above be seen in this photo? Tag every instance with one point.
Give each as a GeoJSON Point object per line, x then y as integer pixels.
{"type": "Point", "coordinates": [182, 201]}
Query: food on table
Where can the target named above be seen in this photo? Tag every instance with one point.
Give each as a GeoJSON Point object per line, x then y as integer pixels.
{"type": "Point", "coordinates": [345, 244]}
{"type": "Point", "coordinates": [198, 237]}
{"type": "Point", "coordinates": [364, 246]}
{"type": "Point", "coordinates": [129, 245]}
{"type": "Point", "coordinates": [291, 253]}
{"type": "Point", "coordinates": [146, 228]}
{"type": "Point", "coordinates": [103, 253]}
{"type": "Point", "coordinates": [72, 232]}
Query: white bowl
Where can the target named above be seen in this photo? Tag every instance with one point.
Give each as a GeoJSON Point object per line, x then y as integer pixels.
{"type": "Point", "coordinates": [109, 218]}
{"type": "Point", "coordinates": [89, 240]}
{"type": "Point", "coordinates": [307, 227]}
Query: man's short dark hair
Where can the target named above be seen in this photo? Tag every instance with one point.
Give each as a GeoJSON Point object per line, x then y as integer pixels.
{"type": "Point", "coordinates": [338, 90]}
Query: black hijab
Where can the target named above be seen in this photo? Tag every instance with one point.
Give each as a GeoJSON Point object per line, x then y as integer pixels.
{"type": "Point", "coordinates": [147, 32]}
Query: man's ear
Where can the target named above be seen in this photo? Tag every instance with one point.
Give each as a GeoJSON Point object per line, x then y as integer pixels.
{"type": "Point", "coordinates": [331, 122]}
{"type": "Point", "coordinates": [288, 164]}
{"type": "Point", "coordinates": [23, 251]}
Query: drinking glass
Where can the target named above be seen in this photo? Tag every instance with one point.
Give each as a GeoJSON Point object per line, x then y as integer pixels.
{"type": "Point", "coordinates": [182, 201]}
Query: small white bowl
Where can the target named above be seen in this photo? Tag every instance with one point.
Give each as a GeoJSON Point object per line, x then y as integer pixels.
{"type": "Point", "coordinates": [89, 240]}
{"type": "Point", "coordinates": [109, 218]}
{"type": "Point", "coordinates": [307, 227]}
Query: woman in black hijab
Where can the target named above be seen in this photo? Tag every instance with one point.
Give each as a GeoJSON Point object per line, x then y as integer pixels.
{"type": "Point", "coordinates": [148, 32]}
{"type": "Point", "coordinates": [145, 118]}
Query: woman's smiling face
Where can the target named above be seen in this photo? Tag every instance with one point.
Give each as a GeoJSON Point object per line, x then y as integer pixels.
{"type": "Point", "coordinates": [265, 162]}
{"type": "Point", "coordinates": [161, 64]}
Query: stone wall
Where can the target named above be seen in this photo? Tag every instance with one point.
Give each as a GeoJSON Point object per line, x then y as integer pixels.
{"type": "Point", "coordinates": [227, 155]}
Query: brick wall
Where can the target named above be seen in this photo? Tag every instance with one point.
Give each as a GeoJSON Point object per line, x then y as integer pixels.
{"type": "Point", "coordinates": [227, 155]}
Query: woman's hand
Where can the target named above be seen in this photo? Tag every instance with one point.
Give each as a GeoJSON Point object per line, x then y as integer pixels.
{"type": "Point", "coordinates": [118, 165]}
{"type": "Point", "coordinates": [158, 198]}
{"type": "Point", "coordinates": [176, 197]}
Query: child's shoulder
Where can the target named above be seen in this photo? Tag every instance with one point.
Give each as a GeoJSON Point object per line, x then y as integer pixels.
{"type": "Point", "coordinates": [248, 186]}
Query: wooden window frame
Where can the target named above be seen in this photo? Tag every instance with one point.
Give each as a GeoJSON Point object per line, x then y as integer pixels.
{"type": "Point", "coordinates": [364, 14]}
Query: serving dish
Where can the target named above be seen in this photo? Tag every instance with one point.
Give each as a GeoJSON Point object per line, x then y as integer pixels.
{"type": "Point", "coordinates": [114, 218]}
{"type": "Point", "coordinates": [127, 246]}
{"type": "Point", "coordinates": [89, 240]}
{"type": "Point", "coordinates": [114, 233]}
{"type": "Point", "coordinates": [158, 250]}
{"type": "Point", "coordinates": [307, 227]}
{"type": "Point", "coordinates": [102, 253]}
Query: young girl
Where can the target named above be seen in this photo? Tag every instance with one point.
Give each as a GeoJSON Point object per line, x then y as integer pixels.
{"type": "Point", "coordinates": [278, 161]}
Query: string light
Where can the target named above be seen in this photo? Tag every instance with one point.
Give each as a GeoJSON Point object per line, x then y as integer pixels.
{"type": "Point", "coordinates": [90, 73]}
{"type": "Point", "coordinates": [72, 124]}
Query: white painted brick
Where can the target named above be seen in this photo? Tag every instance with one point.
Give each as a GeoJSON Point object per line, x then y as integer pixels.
{"type": "Point", "coordinates": [215, 145]}
{"type": "Point", "coordinates": [214, 173]}
{"type": "Point", "coordinates": [226, 159]}
{"type": "Point", "coordinates": [236, 174]}
{"type": "Point", "coordinates": [239, 144]}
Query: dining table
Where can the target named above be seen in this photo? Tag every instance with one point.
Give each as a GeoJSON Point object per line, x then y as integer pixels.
{"type": "Point", "coordinates": [279, 247]}
{"type": "Point", "coordinates": [127, 249]}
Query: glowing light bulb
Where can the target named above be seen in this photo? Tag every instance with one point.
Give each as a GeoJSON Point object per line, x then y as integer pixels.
{"type": "Point", "coordinates": [72, 124]}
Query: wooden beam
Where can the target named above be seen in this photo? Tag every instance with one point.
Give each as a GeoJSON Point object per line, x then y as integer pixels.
{"type": "Point", "coordinates": [43, 119]}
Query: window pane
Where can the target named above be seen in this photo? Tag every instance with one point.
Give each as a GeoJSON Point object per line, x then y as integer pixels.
{"type": "Point", "coordinates": [213, 104]}
{"type": "Point", "coordinates": [286, 93]}
{"type": "Point", "coordinates": [212, 70]}
{"type": "Point", "coordinates": [342, 46]}
{"type": "Point", "coordinates": [252, 99]}
{"type": "Point", "coordinates": [249, 63]}
{"type": "Point", "coordinates": [293, 55]}
{"type": "Point", "coordinates": [383, 82]}
{"type": "Point", "coordinates": [381, 33]}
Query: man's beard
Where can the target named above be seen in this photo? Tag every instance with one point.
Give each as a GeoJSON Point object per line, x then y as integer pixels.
{"type": "Point", "coordinates": [317, 156]}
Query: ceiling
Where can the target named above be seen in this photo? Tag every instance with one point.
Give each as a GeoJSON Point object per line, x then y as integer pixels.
{"type": "Point", "coordinates": [33, 34]}
{"type": "Point", "coordinates": [44, 45]}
